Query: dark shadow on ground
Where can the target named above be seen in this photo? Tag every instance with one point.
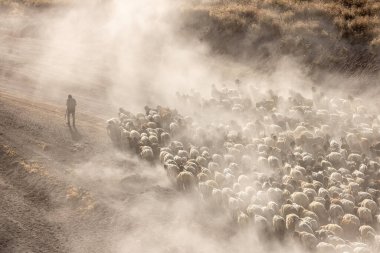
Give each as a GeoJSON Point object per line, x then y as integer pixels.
{"type": "Point", "coordinates": [75, 135]}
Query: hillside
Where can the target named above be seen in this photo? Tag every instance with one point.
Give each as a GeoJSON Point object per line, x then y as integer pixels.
{"type": "Point", "coordinates": [335, 35]}
{"type": "Point", "coordinates": [339, 35]}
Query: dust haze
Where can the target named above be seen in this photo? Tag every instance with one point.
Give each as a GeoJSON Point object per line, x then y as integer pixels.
{"type": "Point", "coordinates": [129, 54]}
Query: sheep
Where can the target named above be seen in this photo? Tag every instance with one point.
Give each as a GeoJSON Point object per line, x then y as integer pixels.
{"type": "Point", "coordinates": [274, 162]}
{"type": "Point", "coordinates": [324, 247]}
{"type": "Point", "coordinates": [262, 225]}
{"type": "Point", "coordinates": [219, 178]}
{"type": "Point", "coordinates": [243, 180]}
{"type": "Point", "coordinates": [233, 206]}
{"type": "Point", "coordinates": [296, 174]}
{"type": "Point", "coordinates": [334, 240]}
{"type": "Point", "coordinates": [253, 210]}
{"type": "Point", "coordinates": [291, 221]}
{"type": "Point", "coordinates": [274, 207]}
{"type": "Point", "coordinates": [173, 128]}
{"type": "Point", "coordinates": [313, 223]}
{"type": "Point", "coordinates": [135, 135]}
{"type": "Point", "coordinates": [348, 206]}
{"type": "Point", "coordinates": [213, 167]}
{"type": "Point", "coordinates": [279, 226]}
{"type": "Point", "coordinates": [274, 194]}
{"type": "Point", "coordinates": [370, 204]}
{"type": "Point", "coordinates": [185, 181]}
{"type": "Point", "coordinates": [320, 210]}
{"type": "Point", "coordinates": [350, 224]}
{"type": "Point", "coordinates": [335, 176]}
{"type": "Point", "coordinates": [309, 214]}
{"type": "Point", "coordinates": [335, 158]}
{"type": "Point", "coordinates": [300, 198]}
{"type": "Point", "coordinates": [312, 179]}
{"type": "Point", "coordinates": [262, 162]}
{"type": "Point", "coordinates": [354, 158]}
{"type": "Point", "coordinates": [366, 232]}
{"type": "Point", "coordinates": [243, 220]}
{"type": "Point", "coordinates": [147, 153]}
{"type": "Point", "coordinates": [303, 226]}
{"type": "Point", "coordinates": [183, 153]}
{"type": "Point", "coordinates": [322, 192]}
{"type": "Point", "coordinates": [202, 161]}
{"type": "Point", "coordinates": [217, 197]}
{"type": "Point", "coordinates": [341, 248]}
{"type": "Point", "coordinates": [153, 139]}
{"type": "Point", "coordinates": [287, 209]}
{"type": "Point", "coordinates": [335, 213]}
{"type": "Point", "coordinates": [353, 187]}
{"type": "Point", "coordinates": [308, 240]}
{"type": "Point", "coordinates": [334, 228]}
{"type": "Point", "coordinates": [365, 215]}
{"type": "Point", "coordinates": [361, 250]}
{"type": "Point", "coordinates": [202, 177]}
{"type": "Point", "coordinates": [229, 179]}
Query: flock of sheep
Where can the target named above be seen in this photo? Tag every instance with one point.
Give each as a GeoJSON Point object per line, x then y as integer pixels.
{"type": "Point", "coordinates": [288, 165]}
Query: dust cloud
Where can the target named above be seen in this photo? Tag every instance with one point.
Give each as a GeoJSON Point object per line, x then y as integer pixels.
{"type": "Point", "coordinates": [129, 54]}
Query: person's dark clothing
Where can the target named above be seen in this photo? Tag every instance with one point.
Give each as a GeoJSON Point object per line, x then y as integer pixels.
{"type": "Point", "coordinates": [71, 104]}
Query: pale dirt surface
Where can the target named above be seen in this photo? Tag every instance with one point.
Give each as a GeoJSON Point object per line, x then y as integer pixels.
{"type": "Point", "coordinates": [37, 150]}
{"type": "Point", "coordinates": [44, 205]}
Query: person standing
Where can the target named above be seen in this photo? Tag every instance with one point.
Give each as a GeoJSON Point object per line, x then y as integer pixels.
{"type": "Point", "coordinates": [71, 103]}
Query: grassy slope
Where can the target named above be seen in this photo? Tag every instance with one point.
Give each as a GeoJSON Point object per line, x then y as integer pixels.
{"type": "Point", "coordinates": [13, 4]}
{"type": "Point", "coordinates": [341, 35]}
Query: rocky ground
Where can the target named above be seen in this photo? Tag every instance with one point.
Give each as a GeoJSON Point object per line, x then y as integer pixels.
{"type": "Point", "coordinates": [53, 197]}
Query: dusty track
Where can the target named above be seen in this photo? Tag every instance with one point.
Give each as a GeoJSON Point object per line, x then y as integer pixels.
{"type": "Point", "coordinates": [42, 209]}
{"type": "Point", "coordinates": [65, 189]}
{"type": "Point", "coordinates": [37, 152]}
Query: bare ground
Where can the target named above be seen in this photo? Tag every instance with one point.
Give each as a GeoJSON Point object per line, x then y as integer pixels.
{"type": "Point", "coordinates": [44, 205]}
{"type": "Point", "coordinates": [37, 150]}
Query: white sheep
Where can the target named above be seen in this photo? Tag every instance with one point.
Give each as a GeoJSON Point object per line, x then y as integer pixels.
{"type": "Point", "coordinates": [334, 228]}
{"type": "Point", "coordinates": [279, 226]}
{"type": "Point", "coordinates": [274, 194]}
{"type": "Point", "coordinates": [348, 206]}
{"type": "Point", "coordinates": [301, 199]}
{"type": "Point", "coordinates": [370, 204]}
{"type": "Point", "coordinates": [243, 180]}
{"type": "Point", "coordinates": [365, 230]}
{"type": "Point", "coordinates": [350, 224]}
{"type": "Point", "coordinates": [186, 181]}
{"type": "Point", "coordinates": [147, 153]}
{"type": "Point", "coordinates": [335, 157]}
{"type": "Point", "coordinates": [337, 177]}
{"type": "Point", "coordinates": [365, 215]}
{"type": "Point", "coordinates": [324, 247]}
{"type": "Point", "coordinates": [274, 162]}
{"type": "Point", "coordinates": [336, 212]}
{"type": "Point", "coordinates": [320, 210]}
{"type": "Point", "coordinates": [313, 223]}
{"type": "Point", "coordinates": [308, 240]}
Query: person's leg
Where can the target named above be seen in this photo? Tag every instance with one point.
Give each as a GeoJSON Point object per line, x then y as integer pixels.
{"type": "Point", "coordinates": [68, 118]}
{"type": "Point", "coordinates": [73, 118]}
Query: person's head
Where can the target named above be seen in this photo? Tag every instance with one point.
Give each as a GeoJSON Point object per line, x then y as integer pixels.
{"type": "Point", "coordinates": [70, 96]}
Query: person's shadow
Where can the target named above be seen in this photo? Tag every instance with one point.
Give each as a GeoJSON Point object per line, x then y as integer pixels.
{"type": "Point", "coordinates": [75, 135]}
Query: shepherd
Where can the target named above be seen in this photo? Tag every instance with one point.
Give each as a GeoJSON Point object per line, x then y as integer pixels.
{"type": "Point", "coordinates": [70, 104]}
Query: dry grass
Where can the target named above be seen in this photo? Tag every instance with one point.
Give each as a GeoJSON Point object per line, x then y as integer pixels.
{"type": "Point", "coordinates": [341, 35]}
{"type": "Point", "coordinates": [12, 4]}
{"type": "Point", "coordinates": [333, 34]}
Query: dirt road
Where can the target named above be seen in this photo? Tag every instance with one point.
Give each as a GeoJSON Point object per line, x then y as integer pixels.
{"type": "Point", "coordinates": [68, 190]}
{"type": "Point", "coordinates": [37, 152]}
